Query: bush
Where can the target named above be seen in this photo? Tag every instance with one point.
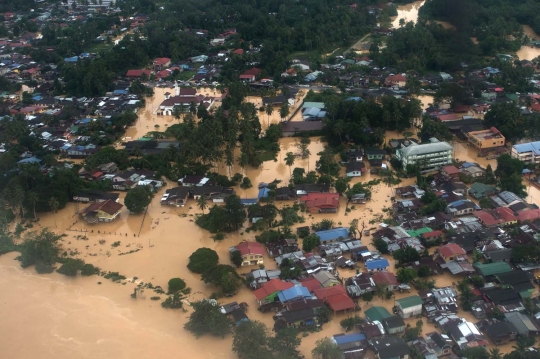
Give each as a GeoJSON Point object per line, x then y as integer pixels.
{"type": "Point", "coordinates": [172, 302]}
{"type": "Point", "coordinates": [71, 267]}
{"type": "Point", "coordinates": [89, 269]}
{"type": "Point", "coordinates": [202, 259]}
{"type": "Point", "coordinates": [155, 298]}
{"type": "Point", "coordinates": [175, 285]}
{"type": "Point", "coordinates": [43, 268]}
{"type": "Point", "coordinates": [246, 183]}
{"type": "Point", "coordinates": [350, 322]}
{"type": "Point", "coordinates": [236, 258]}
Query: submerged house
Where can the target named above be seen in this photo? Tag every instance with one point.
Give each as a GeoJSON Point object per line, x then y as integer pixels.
{"type": "Point", "coordinates": [101, 211]}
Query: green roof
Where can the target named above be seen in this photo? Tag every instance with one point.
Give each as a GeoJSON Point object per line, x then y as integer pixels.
{"type": "Point", "coordinates": [419, 232]}
{"type": "Point", "coordinates": [377, 314]}
{"type": "Point", "coordinates": [411, 301]}
{"type": "Point", "coordinates": [492, 268]}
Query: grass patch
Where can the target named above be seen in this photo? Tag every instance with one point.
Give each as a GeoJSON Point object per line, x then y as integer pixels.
{"type": "Point", "coordinates": [185, 75]}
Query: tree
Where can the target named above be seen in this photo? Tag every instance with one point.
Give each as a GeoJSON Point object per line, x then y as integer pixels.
{"type": "Point", "coordinates": [208, 319]}
{"type": "Point", "coordinates": [424, 271]}
{"type": "Point", "coordinates": [342, 184]}
{"type": "Point", "coordinates": [495, 353]}
{"type": "Point", "coordinates": [201, 203]}
{"type": "Point", "coordinates": [406, 275]}
{"type": "Point", "coordinates": [285, 343]}
{"type": "Point", "coordinates": [223, 276]}
{"type": "Point", "coordinates": [40, 247]}
{"type": "Point", "coordinates": [367, 297]}
{"type": "Point", "coordinates": [289, 161]}
{"type": "Point", "coordinates": [53, 203]}
{"type": "Point", "coordinates": [236, 258]}
{"type": "Point", "coordinates": [71, 267]}
{"type": "Point", "coordinates": [353, 227]}
{"type": "Point", "coordinates": [137, 199]}
{"type": "Point", "coordinates": [475, 353]}
{"type": "Point", "coordinates": [310, 242]}
{"type": "Point", "coordinates": [173, 301]}
{"type": "Point", "coordinates": [33, 198]}
{"type": "Point", "coordinates": [269, 109]}
{"type": "Point", "coordinates": [250, 341]}
{"type": "Point", "coordinates": [350, 322]}
{"type": "Point", "coordinates": [284, 111]}
{"type": "Point", "coordinates": [176, 285]}
{"type": "Point", "coordinates": [202, 259]}
{"type": "Point", "coordinates": [326, 348]}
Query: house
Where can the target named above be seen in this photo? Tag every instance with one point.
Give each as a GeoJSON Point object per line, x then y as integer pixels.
{"type": "Point", "coordinates": [190, 181]}
{"type": "Point", "coordinates": [333, 235]}
{"type": "Point", "coordinates": [528, 216]}
{"type": "Point", "coordinates": [101, 211]}
{"type": "Point", "coordinates": [450, 171]}
{"type": "Point", "coordinates": [451, 252]}
{"type": "Point", "coordinates": [396, 80]}
{"type": "Point", "coordinates": [326, 279]}
{"type": "Point", "coordinates": [252, 253]}
{"type": "Point", "coordinates": [177, 196]}
{"type": "Point", "coordinates": [487, 219]}
{"type": "Point", "coordinates": [506, 199]}
{"type": "Point", "coordinates": [300, 318]}
{"type": "Point", "coordinates": [461, 207]}
{"type": "Point", "coordinates": [524, 324]}
{"type": "Point", "coordinates": [307, 188]}
{"type": "Point", "coordinates": [394, 324]}
{"type": "Point", "coordinates": [486, 139]}
{"type": "Point", "coordinates": [377, 314]}
{"type": "Point", "coordinates": [375, 154]}
{"type": "Point", "coordinates": [390, 348]}
{"type": "Point", "coordinates": [472, 170]}
{"type": "Point", "coordinates": [129, 179]}
{"type": "Point", "coordinates": [488, 270]}
{"type": "Point", "coordinates": [268, 293]}
{"type": "Point", "coordinates": [257, 277]}
{"type": "Point", "coordinates": [480, 190]}
{"type": "Point", "coordinates": [518, 280]}
{"type": "Point", "coordinates": [294, 293]}
{"type": "Point", "coordinates": [386, 279]}
{"type": "Point", "coordinates": [429, 157]}
{"type": "Point", "coordinates": [284, 194]}
{"type": "Point", "coordinates": [377, 264]}
{"type": "Point", "coordinates": [351, 345]}
{"type": "Point", "coordinates": [321, 202]}
{"type": "Point", "coordinates": [359, 198]}
{"type": "Point", "coordinates": [293, 128]}
{"type": "Point", "coordinates": [355, 169]}
{"type": "Point", "coordinates": [435, 345]}
{"type": "Point", "coordinates": [527, 152]}
{"type": "Point", "coordinates": [506, 215]}
{"type": "Point", "coordinates": [355, 155]}
{"type": "Point", "coordinates": [409, 306]}
{"type": "Point", "coordinates": [336, 297]}
{"type": "Point", "coordinates": [501, 332]}
{"type": "Point", "coordinates": [161, 63]}
{"type": "Point", "coordinates": [95, 196]}
{"type": "Point", "coordinates": [466, 334]}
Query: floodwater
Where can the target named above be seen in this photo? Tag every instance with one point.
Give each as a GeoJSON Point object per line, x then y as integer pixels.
{"type": "Point", "coordinates": [407, 12]}
{"type": "Point", "coordinates": [77, 317]}
{"type": "Point", "coordinates": [529, 52]}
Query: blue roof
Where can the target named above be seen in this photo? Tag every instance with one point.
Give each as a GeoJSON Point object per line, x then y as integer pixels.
{"type": "Point", "coordinates": [29, 160]}
{"type": "Point", "coordinates": [349, 338]}
{"type": "Point", "coordinates": [263, 192]}
{"type": "Point", "coordinates": [377, 264]}
{"type": "Point", "coordinates": [71, 59]}
{"type": "Point", "coordinates": [37, 98]}
{"type": "Point", "coordinates": [354, 98]}
{"type": "Point", "coordinates": [120, 92]}
{"type": "Point", "coordinates": [456, 203]}
{"type": "Point", "coordinates": [293, 293]}
{"type": "Point", "coordinates": [248, 201]}
{"type": "Point", "coordinates": [468, 164]}
{"type": "Point", "coordinates": [333, 234]}
{"type": "Point", "coordinates": [528, 147]}
{"type": "Point", "coordinates": [525, 171]}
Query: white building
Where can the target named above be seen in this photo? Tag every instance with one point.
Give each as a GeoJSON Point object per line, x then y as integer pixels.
{"type": "Point", "coordinates": [429, 157]}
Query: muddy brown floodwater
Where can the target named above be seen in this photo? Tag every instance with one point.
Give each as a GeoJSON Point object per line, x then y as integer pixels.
{"type": "Point", "coordinates": [63, 317]}
{"type": "Point", "coordinates": [529, 52]}
{"type": "Point", "coordinates": [407, 12]}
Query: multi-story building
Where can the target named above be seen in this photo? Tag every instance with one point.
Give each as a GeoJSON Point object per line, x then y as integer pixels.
{"type": "Point", "coordinates": [486, 139]}
{"type": "Point", "coordinates": [429, 157]}
{"type": "Point", "coordinates": [527, 152]}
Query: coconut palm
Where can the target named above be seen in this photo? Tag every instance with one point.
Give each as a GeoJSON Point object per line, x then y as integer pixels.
{"type": "Point", "coordinates": [284, 111]}
{"type": "Point", "coordinates": [495, 353]}
{"type": "Point", "coordinates": [53, 203]}
{"type": "Point", "coordinates": [243, 161]}
{"type": "Point", "coordinates": [269, 109]}
{"type": "Point", "coordinates": [33, 198]}
{"type": "Point", "coordinates": [289, 161]}
{"type": "Point", "coordinates": [201, 203]}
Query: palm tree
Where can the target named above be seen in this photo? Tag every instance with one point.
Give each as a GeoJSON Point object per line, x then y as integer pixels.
{"type": "Point", "coordinates": [53, 203]}
{"type": "Point", "coordinates": [176, 112]}
{"type": "Point", "coordinates": [18, 198]}
{"type": "Point", "coordinates": [201, 203]}
{"type": "Point", "coordinates": [289, 161]}
{"type": "Point", "coordinates": [284, 111]}
{"type": "Point", "coordinates": [495, 353]}
{"type": "Point", "coordinates": [521, 349]}
{"type": "Point", "coordinates": [33, 198]}
{"type": "Point", "coordinates": [269, 109]}
{"type": "Point", "coordinates": [243, 161]}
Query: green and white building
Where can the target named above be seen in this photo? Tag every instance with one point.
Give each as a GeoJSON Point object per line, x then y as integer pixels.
{"type": "Point", "coordinates": [429, 157]}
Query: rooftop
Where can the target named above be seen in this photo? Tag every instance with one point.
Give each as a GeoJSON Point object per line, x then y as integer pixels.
{"type": "Point", "coordinates": [408, 302]}
{"type": "Point", "coordinates": [426, 149]}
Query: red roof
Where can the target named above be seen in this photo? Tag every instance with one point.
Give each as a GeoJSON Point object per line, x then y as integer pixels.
{"type": "Point", "coordinates": [325, 200]}
{"type": "Point", "coordinates": [396, 78]}
{"type": "Point", "coordinates": [506, 214]}
{"type": "Point", "coordinates": [109, 206]}
{"type": "Point", "coordinates": [487, 218]}
{"type": "Point", "coordinates": [336, 297]}
{"type": "Point", "coordinates": [161, 60]}
{"type": "Point", "coordinates": [137, 73]}
{"type": "Point", "coordinates": [254, 71]}
{"type": "Point", "coordinates": [451, 249]}
{"type": "Point", "coordinates": [97, 174]}
{"type": "Point", "coordinates": [310, 283]}
{"type": "Point", "coordinates": [451, 170]}
{"type": "Point", "coordinates": [238, 52]}
{"type": "Point", "coordinates": [244, 76]}
{"type": "Point", "coordinates": [449, 117]}
{"type": "Point", "coordinates": [529, 215]}
{"type": "Point", "coordinates": [271, 287]}
{"type": "Point", "coordinates": [536, 107]}
{"type": "Point", "coordinates": [431, 234]}
{"type": "Point", "coordinates": [323, 293]}
{"type": "Point", "coordinates": [385, 278]}
{"type": "Point", "coordinates": [250, 248]}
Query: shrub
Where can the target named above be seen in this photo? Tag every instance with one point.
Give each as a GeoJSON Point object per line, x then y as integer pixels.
{"type": "Point", "coordinates": [172, 302]}
{"type": "Point", "coordinates": [202, 259]}
{"type": "Point", "coordinates": [43, 268]}
{"type": "Point", "coordinates": [71, 266]}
